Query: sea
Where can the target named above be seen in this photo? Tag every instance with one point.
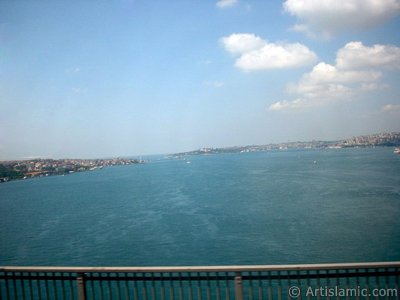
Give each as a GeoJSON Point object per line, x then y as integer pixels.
{"type": "Point", "coordinates": [278, 207]}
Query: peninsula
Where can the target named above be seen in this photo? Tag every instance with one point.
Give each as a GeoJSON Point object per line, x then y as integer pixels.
{"type": "Point", "coordinates": [22, 169]}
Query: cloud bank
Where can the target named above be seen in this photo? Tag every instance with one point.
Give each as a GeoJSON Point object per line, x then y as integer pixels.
{"type": "Point", "coordinates": [358, 69]}
{"type": "Point", "coordinates": [329, 17]}
{"type": "Point", "coordinates": [256, 53]}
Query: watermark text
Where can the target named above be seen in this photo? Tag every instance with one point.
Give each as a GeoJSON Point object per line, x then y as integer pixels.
{"type": "Point", "coordinates": [336, 291]}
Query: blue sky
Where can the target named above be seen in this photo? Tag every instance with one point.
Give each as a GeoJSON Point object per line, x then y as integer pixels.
{"type": "Point", "coordinates": [89, 79]}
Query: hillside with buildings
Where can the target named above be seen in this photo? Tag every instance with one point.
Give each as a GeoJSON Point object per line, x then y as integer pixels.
{"type": "Point", "coordinates": [22, 169]}
{"type": "Point", "coordinates": [374, 140]}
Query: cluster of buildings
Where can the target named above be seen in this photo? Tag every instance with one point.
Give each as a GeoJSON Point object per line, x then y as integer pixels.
{"type": "Point", "coordinates": [373, 140]}
{"type": "Point", "coordinates": [45, 167]}
{"type": "Point", "coordinates": [382, 139]}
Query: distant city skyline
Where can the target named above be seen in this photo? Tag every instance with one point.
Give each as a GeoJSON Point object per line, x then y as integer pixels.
{"type": "Point", "coordinates": [130, 77]}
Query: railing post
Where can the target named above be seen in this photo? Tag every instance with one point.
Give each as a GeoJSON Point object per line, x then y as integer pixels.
{"type": "Point", "coordinates": [80, 280]}
{"type": "Point", "coordinates": [238, 286]}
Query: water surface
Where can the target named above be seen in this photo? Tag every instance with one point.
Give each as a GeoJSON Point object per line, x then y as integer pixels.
{"type": "Point", "coordinates": [306, 206]}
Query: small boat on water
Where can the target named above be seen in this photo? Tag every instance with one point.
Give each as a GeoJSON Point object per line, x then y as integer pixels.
{"type": "Point", "coordinates": [396, 151]}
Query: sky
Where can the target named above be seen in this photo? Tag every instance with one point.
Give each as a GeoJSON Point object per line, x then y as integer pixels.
{"type": "Point", "coordinates": [90, 79]}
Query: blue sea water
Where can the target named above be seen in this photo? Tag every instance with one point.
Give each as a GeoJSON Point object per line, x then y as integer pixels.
{"type": "Point", "coordinates": [254, 208]}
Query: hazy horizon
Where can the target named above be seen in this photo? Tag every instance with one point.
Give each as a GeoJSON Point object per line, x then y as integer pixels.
{"type": "Point", "coordinates": [130, 78]}
{"type": "Point", "coordinates": [184, 151]}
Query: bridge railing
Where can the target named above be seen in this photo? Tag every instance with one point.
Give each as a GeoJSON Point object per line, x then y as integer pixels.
{"type": "Point", "coordinates": [308, 281]}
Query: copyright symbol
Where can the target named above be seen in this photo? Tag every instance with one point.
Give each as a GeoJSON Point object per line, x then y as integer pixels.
{"type": "Point", "coordinates": [294, 291]}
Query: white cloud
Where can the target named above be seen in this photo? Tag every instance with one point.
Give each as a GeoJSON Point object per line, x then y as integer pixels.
{"type": "Point", "coordinates": [357, 56]}
{"type": "Point", "coordinates": [285, 105]}
{"type": "Point", "coordinates": [350, 77]}
{"type": "Point", "coordinates": [326, 73]}
{"type": "Point", "coordinates": [258, 54]}
{"type": "Point", "coordinates": [276, 56]}
{"type": "Point", "coordinates": [327, 17]}
{"type": "Point", "coordinates": [226, 3]}
{"type": "Point", "coordinates": [391, 108]}
{"type": "Point", "coordinates": [239, 43]}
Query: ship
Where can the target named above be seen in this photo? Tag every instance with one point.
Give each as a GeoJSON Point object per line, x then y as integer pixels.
{"type": "Point", "coordinates": [396, 151]}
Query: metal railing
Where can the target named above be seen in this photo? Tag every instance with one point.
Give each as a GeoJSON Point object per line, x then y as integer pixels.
{"type": "Point", "coordinates": [310, 281]}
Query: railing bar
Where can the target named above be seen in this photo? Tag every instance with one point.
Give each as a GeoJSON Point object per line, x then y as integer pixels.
{"type": "Point", "coordinates": [270, 296]}
{"type": "Point", "coordinates": [153, 290]}
{"type": "Point", "coordinates": [332, 275]}
{"type": "Point", "coordinates": [70, 288]}
{"type": "Point", "coordinates": [190, 291]}
{"type": "Point", "coordinates": [96, 285]}
{"type": "Point", "coordinates": [250, 287]}
{"type": "Point", "coordinates": [227, 287]}
{"type": "Point", "coordinates": [171, 287]}
{"type": "Point", "coordinates": [55, 296]}
{"type": "Point", "coordinates": [144, 287]}
{"type": "Point", "coordinates": [208, 287]}
{"type": "Point", "coordinates": [289, 277]}
{"type": "Point", "coordinates": [199, 293]}
{"type": "Point", "coordinates": [259, 286]}
{"type": "Point", "coordinates": [91, 284]}
{"type": "Point", "coordinates": [135, 288]}
{"type": "Point", "coordinates": [367, 285]}
{"type": "Point", "coordinates": [7, 286]}
{"type": "Point", "coordinates": [22, 283]}
{"type": "Point", "coordinates": [328, 284]}
{"type": "Point", "coordinates": [38, 285]}
{"type": "Point", "coordinates": [377, 285]}
{"type": "Point", "coordinates": [126, 289]}
{"type": "Point", "coordinates": [300, 296]}
{"type": "Point", "coordinates": [162, 288]}
{"type": "Point", "coordinates": [180, 286]}
{"type": "Point", "coordinates": [14, 282]}
{"type": "Point", "coordinates": [109, 291]}
{"type": "Point", "coordinates": [397, 286]}
{"type": "Point", "coordinates": [30, 286]}
{"type": "Point", "coordinates": [337, 283]}
{"type": "Point", "coordinates": [387, 284]}
{"type": "Point", "coordinates": [293, 276]}
{"type": "Point", "coordinates": [1, 288]}
{"type": "Point", "coordinates": [46, 287]}
{"type": "Point", "coordinates": [317, 273]}
{"type": "Point", "coordinates": [308, 284]}
{"type": "Point", "coordinates": [279, 286]}
{"type": "Point", "coordinates": [118, 287]}
{"type": "Point", "coordinates": [357, 284]}
{"type": "Point", "coordinates": [14, 287]}
{"type": "Point", "coordinates": [218, 289]}
{"type": "Point", "coordinates": [347, 284]}
{"type": "Point", "coordinates": [62, 285]}
{"type": "Point", "coordinates": [101, 287]}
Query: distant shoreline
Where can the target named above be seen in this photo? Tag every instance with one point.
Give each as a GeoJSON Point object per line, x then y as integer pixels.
{"type": "Point", "coordinates": [24, 169]}
{"type": "Point", "coordinates": [373, 140]}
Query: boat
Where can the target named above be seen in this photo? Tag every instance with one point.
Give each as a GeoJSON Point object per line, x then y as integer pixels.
{"type": "Point", "coordinates": [396, 151]}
